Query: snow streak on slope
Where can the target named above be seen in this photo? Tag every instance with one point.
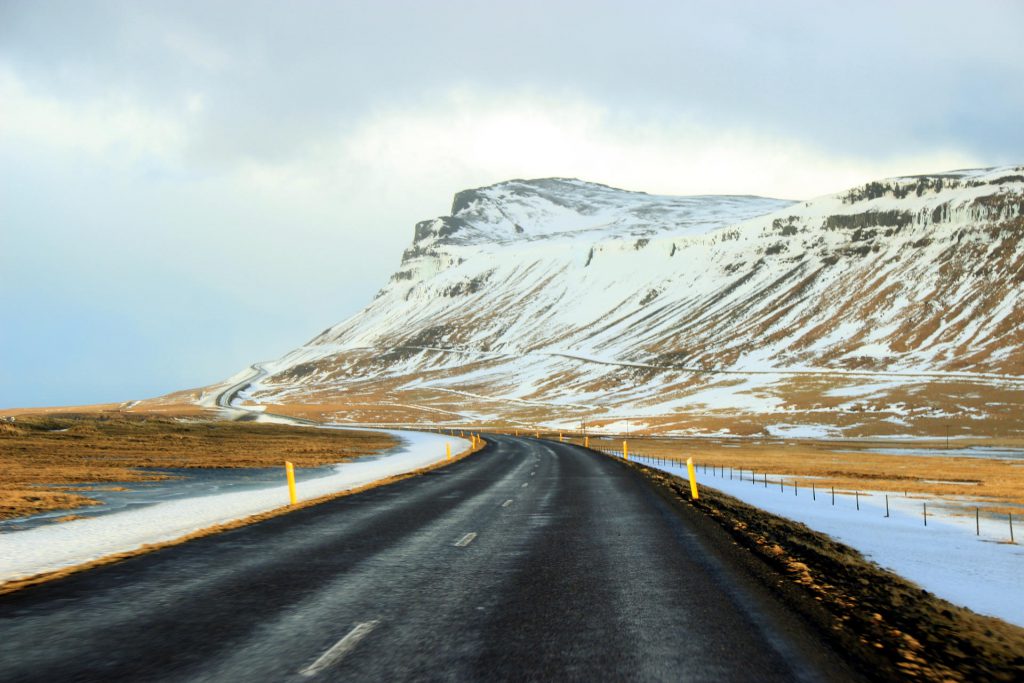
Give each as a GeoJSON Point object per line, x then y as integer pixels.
{"type": "Point", "coordinates": [558, 299]}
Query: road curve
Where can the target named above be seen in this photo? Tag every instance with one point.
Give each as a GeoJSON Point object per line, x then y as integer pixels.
{"type": "Point", "coordinates": [530, 560]}
{"type": "Point", "coordinates": [227, 396]}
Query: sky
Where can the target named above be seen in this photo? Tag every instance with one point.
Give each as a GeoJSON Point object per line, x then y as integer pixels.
{"type": "Point", "coordinates": [190, 187]}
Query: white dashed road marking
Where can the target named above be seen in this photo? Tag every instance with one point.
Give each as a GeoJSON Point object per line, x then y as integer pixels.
{"type": "Point", "coordinates": [465, 540]}
{"type": "Point", "coordinates": [340, 648]}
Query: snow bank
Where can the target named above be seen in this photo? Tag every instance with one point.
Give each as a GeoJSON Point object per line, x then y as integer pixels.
{"type": "Point", "coordinates": [46, 548]}
{"type": "Point", "coordinates": [982, 573]}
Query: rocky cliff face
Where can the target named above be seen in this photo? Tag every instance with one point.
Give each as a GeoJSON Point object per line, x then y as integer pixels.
{"type": "Point", "coordinates": [558, 300]}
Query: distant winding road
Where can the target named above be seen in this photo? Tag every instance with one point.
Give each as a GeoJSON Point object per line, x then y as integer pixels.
{"type": "Point", "coordinates": [529, 560]}
{"type": "Point", "coordinates": [225, 397]}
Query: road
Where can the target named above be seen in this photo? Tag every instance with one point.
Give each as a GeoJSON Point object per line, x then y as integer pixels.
{"type": "Point", "coordinates": [226, 397]}
{"type": "Point", "coordinates": [529, 560]}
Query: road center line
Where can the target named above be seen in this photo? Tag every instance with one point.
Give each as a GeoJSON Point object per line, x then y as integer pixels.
{"type": "Point", "coordinates": [506, 503]}
{"type": "Point", "coordinates": [340, 648]}
{"type": "Point", "coordinates": [465, 540]}
{"type": "Point", "coordinates": [525, 484]}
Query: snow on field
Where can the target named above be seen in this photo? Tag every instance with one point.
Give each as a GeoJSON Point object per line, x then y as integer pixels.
{"type": "Point", "coordinates": [50, 547]}
{"type": "Point", "coordinates": [981, 572]}
{"type": "Point", "coordinates": [787, 431]}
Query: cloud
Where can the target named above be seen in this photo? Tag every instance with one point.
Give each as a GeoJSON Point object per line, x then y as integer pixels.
{"type": "Point", "coordinates": [872, 78]}
{"type": "Point", "coordinates": [115, 128]}
{"type": "Point", "coordinates": [470, 136]}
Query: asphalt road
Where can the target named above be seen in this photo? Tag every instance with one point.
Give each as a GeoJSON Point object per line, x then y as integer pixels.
{"type": "Point", "coordinates": [225, 397]}
{"type": "Point", "coordinates": [530, 560]}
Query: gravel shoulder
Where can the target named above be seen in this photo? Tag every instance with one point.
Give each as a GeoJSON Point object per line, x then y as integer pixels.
{"type": "Point", "coordinates": [880, 621]}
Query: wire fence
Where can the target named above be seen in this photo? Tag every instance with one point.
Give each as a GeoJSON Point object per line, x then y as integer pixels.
{"type": "Point", "coordinates": [988, 525]}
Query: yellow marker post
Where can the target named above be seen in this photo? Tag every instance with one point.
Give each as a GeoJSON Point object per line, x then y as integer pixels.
{"type": "Point", "coordinates": [586, 442]}
{"type": "Point", "coordinates": [447, 450]}
{"type": "Point", "coordinates": [537, 434]}
{"type": "Point", "coordinates": [693, 478]}
{"type": "Point", "coordinates": [625, 451]}
{"type": "Point", "coordinates": [560, 439]}
{"type": "Point", "coordinates": [290, 471]}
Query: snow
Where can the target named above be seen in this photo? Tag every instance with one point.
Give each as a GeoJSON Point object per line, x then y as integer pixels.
{"type": "Point", "coordinates": [51, 547]}
{"type": "Point", "coordinates": [557, 206]}
{"type": "Point", "coordinates": [597, 285]}
{"type": "Point", "coordinates": [734, 394]}
{"type": "Point", "coordinates": [982, 573]}
{"type": "Point", "coordinates": [788, 431]}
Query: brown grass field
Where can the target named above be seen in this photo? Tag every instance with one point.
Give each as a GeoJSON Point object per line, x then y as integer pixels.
{"type": "Point", "coordinates": [41, 454]}
{"type": "Point", "coordinates": [847, 465]}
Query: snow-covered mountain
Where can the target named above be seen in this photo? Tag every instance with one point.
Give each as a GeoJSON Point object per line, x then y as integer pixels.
{"type": "Point", "coordinates": [892, 307]}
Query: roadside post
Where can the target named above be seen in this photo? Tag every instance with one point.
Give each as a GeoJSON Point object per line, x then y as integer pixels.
{"type": "Point", "coordinates": [693, 478]}
{"type": "Point", "coordinates": [290, 471]}
{"type": "Point", "coordinates": [448, 450]}
{"type": "Point", "coordinates": [625, 451]}
{"type": "Point", "coordinates": [586, 441]}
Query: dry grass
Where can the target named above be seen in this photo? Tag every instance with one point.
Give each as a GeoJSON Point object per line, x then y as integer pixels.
{"type": "Point", "coordinates": [40, 454]}
{"type": "Point", "coordinates": [863, 405]}
{"type": "Point", "coordinates": [846, 466]}
{"type": "Point", "coordinates": [914, 407]}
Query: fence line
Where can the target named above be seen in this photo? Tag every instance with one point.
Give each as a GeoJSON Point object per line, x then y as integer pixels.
{"type": "Point", "coordinates": [662, 462]}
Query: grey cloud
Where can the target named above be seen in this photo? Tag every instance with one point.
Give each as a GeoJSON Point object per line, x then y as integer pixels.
{"type": "Point", "coordinates": [871, 78]}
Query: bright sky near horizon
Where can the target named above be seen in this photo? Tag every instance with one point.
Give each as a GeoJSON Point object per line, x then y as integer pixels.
{"type": "Point", "coordinates": [188, 187]}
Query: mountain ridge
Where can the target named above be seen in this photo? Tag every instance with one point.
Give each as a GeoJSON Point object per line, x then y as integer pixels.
{"type": "Point", "coordinates": [556, 293]}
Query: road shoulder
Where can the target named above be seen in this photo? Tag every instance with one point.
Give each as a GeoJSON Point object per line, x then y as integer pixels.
{"type": "Point", "coordinates": [879, 622]}
{"type": "Point", "coordinates": [26, 580]}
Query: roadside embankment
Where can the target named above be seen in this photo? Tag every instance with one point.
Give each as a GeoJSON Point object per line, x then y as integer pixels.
{"type": "Point", "coordinates": [885, 623]}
